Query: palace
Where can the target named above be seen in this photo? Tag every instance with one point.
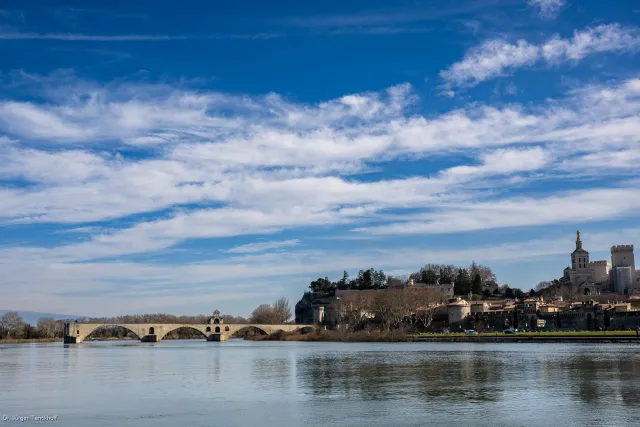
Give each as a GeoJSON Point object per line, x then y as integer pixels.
{"type": "Point", "coordinates": [619, 275]}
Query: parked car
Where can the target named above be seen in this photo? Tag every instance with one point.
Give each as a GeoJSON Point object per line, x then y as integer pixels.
{"type": "Point", "coordinates": [510, 331]}
{"type": "Point", "coordinates": [471, 332]}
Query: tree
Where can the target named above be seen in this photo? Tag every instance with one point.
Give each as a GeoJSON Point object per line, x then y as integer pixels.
{"type": "Point", "coordinates": [508, 292]}
{"type": "Point", "coordinates": [426, 302]}
{"type": "Point", "coordinates": [48, 327]}
{"type": "Point", "coordinates": [543, 285]}
{"type": "Point", "coordinates": [263, 314]}
{"type": "Point", "coordinates": [344, 282]}
{"type": "Point", "coordinates": [486, 274]}
{"type": "Point", "coordinates": [429, 274]}
{"type": "Point", "coordinates": [476, 287]}
{"type": "Point", "coordinates": [447, 273]}
{"type": "Point", "coordinates": [558, 322]}
{"type": "Point", "coordinates": [486, 293]}
{"type": "Point", "coordinates": [354, 308]}
{"type": "Point", "coordinates": [281, 311]}
{"type": "Point", "coordinates": [463, 282]}
{"type": "Point", "coordinates": [379, 279]}
{"type": "Point", "coordinates": [392, 306]}
{"type": "Point", "coordinates": [321, 286]}
{"type": "Point", "coordinates": [515, 317]}
{"type": "Point", "coordinates": [496, 291]}
{"type": "Point", "coordinates": [518, 293]}
{"type": "Point", "coordinates": [533, 293]}
{"type": "Point", "coordinates": [12, 323]}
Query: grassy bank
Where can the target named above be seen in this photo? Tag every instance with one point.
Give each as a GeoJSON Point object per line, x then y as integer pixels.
{"type": "Point", "coordinates": [28, 340]}
{"type": "Point", "coordinates": [559, 334]}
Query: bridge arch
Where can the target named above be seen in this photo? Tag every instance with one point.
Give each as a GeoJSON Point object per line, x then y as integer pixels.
{"type": "Point", "coordinates": [167, 332]}
{"type": "Point", "coordinates": [246, 328]}
{"type": "Point", "coordinates": [86, 334]}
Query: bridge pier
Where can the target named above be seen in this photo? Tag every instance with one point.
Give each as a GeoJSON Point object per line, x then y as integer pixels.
{"type": "Point", "coordinates": [150, 338]}
{"type": "Point", "coordinates": [218, 337]}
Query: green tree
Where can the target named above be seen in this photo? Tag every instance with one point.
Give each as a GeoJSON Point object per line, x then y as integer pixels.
{"type": "Point", "coordinates": [463, 282]}
{"type": "Point", "coordinates": [518, 293]}
{"type": "Point", "coordinates": [508, 292]}
{"type": "Point", "coordinates": [515, 317]}
{"type": "Point", "coordinates": [447, 274]}
{"type": "Point", "coordinates": [344, 282]}
{"type": "Point", "coordinates": [476, 287]}
{"type": "Point", "coordinates": [321, 286]}
{"type": "Point", "coordinates": [429, 274]}
{"type": "Point", "coordinates": [379, 279]}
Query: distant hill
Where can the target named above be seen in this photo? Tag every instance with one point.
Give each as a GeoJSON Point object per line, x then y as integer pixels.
{"type": "Point", "coordinates": [32, 317]}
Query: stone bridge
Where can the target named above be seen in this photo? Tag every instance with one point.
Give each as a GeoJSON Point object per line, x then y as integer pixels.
{"type": "Point", "coordinates": [75, 332]}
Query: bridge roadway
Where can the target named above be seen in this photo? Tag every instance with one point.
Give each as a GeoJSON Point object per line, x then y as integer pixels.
{"type": "Point", "coordinates": [75, 332]}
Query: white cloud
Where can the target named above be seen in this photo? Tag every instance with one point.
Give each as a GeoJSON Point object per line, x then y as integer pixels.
{"type": "Point", "coordinates": [210, 165]}
{"type": "Point", "coordinates": [573, 207]}
{"type": "Point", "coordinates": [495, 58]}
{"type": "Point", "coordinates": [263, 246]}
{"type": "Point", "coordinates": [548, 9]}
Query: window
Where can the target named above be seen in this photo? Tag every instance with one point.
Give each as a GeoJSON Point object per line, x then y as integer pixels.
{"type": "Point", "coordinates": [152, 331]}
{"type": "Point", "coordinates": [208, 328]}
{"type": "Point", "coordinates": [217, 329]}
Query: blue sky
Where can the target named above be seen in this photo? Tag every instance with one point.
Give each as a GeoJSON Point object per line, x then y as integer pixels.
{"type": "Point", "coordinates": [218, 155]}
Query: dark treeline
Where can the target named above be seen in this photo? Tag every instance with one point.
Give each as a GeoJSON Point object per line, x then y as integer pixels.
{"type": "Point", "coordinates": [366, 279]}
{"type": "Point", "coordinates": [476, 279]}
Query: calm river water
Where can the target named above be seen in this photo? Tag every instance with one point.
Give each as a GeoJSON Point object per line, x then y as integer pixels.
{"type": "Point", "coordinates": [243, 383]}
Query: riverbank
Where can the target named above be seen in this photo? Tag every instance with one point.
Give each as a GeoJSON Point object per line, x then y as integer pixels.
{"type": "Point", "coordinates": [340, 336]}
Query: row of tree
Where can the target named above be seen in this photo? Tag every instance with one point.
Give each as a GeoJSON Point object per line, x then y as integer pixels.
{"type": "Point", "coordinates": [477, 279]}
{"type": "Point", "coordinates": [12, 325]}
{"type": "Point", "coordinates": [366, 279]}
{"type": "Point", "coordinates": [474, 278]}
{"type": "Point", "coordinates": [390, 309]}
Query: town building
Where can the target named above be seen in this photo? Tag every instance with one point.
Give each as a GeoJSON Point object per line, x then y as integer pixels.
{"type": "Point", "coordinates": [593, 277]}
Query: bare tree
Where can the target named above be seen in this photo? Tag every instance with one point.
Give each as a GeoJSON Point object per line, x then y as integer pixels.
{"type": "Point", "coordinates": [354, 308]}
{"type": "Point", "coordinates": [543, 285]}
{"type": "Point", "coordinates": [392, 306]}
{"type": "Point", "coordinates": [426, 302]}
{"type": "Point", "coordinates": [48, 327]}
{"type": "Point", "coordinates": [263, 314]}
{"type": "Point", "coordinates": [281, 310]}
{"type": "Point", "coordinates": [13, 323]}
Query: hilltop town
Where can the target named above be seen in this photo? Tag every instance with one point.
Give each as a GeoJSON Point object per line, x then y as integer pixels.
{"type": "Point", "coordinates": [590, 295]}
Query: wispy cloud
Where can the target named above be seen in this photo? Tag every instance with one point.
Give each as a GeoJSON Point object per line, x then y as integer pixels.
{"type": "Point", "coordinates": [130, 37]}
{"type": "Point", "coordinates": [496, 58]}
{"type": "Point", "coordinates": [263, 246]}
{"type": "Point", "coordinates": [390, 17]}
{"type": "Point", "coordinates": [213, 165]}
{"type": "Point", "coordinates": [548, 9]}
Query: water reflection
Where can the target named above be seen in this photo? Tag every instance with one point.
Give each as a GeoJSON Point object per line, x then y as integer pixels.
{"type": "Point", "coordinates": [242, 383]}
{"type": "Point", "coordinates": [463, 377]}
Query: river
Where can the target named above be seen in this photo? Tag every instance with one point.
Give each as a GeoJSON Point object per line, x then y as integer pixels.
{"type": "Point", "coordinates": [245, 383]}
